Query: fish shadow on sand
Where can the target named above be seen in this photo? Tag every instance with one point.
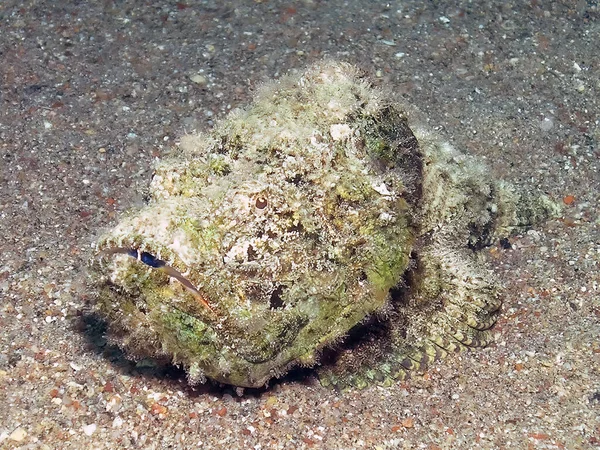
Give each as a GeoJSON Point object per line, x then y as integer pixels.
{"type": "Point", "coordinates": [94, 329]}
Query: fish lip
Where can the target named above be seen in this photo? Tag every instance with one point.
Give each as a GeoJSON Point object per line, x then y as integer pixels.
{"type": "Point", "coordinates": [137, 247]}
{"type": "Point", "coordinates": [141, 255]}
{"type": "Point", "coordinates": [171, 266]}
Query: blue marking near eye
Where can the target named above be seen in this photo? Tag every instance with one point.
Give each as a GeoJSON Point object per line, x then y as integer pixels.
{"type": "Point", "coordinates": [133, 253]}
{"type": "Point", "coordinates": [151, 260]}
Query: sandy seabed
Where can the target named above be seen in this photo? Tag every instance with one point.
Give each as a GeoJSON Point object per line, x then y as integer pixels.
{"type": "Point", "coordinates": [91, 93]}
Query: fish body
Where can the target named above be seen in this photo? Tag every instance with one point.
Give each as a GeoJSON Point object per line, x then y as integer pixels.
{"type": "Point", "coordinates": [318, 216]}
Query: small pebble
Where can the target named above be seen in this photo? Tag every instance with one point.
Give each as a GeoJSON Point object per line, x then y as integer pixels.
{"type": "Point", "coordinates": [117, 422]}
{"type": "Point", "coordinates": [198, 79]}
{"type": "Point", "coordinates": [547, 124]}
{"type": "Point", "coordinates": [88, 430]}
{"type": "Point", "coordinates": [18, 435]}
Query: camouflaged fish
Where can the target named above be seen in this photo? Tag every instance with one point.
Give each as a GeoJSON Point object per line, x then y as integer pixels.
{"type": "Point", "coordinates": [316, 225]}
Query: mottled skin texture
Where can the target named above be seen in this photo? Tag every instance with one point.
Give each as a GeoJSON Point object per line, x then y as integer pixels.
{"type": "Point", "coordinates": [315, 214]}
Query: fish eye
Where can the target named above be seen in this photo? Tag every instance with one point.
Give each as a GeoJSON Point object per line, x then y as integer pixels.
{"type": "Point", "coordinates": [261, 203]}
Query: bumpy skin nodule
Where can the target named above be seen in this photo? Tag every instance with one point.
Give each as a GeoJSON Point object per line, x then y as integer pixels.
{"type": "Point", "coordinates": [314, 214]}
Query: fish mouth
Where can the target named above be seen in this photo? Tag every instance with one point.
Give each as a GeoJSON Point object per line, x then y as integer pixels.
{"type": "Point", "coordinates": [155, 263]}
